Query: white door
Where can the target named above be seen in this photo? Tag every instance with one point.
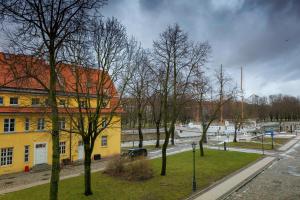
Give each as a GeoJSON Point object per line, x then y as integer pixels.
{"type": "Point", "coordinates": [40, 153]}
{"type": "Point", "coordinates": [80, 151]}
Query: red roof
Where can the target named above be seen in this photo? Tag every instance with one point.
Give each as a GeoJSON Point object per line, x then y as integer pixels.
{"type": "Point", "coordinates": [30, 73]}
{"type": "Point", "coordinates": [4, 109]}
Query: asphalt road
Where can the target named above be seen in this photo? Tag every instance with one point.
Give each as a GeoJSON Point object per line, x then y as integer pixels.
{"type": "Point", "coordinates": [281, 181]}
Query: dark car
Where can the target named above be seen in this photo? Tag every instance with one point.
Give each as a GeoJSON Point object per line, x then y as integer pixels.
{"type": "Point", "coordinates": [136, 152]}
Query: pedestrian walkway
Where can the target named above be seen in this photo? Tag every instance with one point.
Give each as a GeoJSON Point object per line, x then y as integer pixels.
{"type": "Point", "coordinates": [289, 144]}
{"type": "Point", "coordinates": [236, 180]}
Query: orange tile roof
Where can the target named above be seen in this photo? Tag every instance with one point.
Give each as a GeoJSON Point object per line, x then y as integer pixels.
{"type": "Point", "coordinates": [44, 110]}
{"type": "Point", "coordinates": [30, 73]}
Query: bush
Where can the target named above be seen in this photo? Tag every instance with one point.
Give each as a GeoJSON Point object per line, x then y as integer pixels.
{"type": "Point", "coordinates": [116, 166]}
{"type": "Point", "coordinates": [139, 170]}
{"type": "Point", "coordinates": [131, 170]}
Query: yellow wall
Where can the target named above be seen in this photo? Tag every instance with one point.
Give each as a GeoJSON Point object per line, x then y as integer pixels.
{"type": "Point", "coordinates": [19, 138]}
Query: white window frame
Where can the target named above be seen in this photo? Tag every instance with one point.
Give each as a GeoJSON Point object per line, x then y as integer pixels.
{"type": "Point", "coordinates": [62, 104]}
{"type": "Point", "coordinates": [14, 104]}
{"type": "Point", "coordinates": [27, 124]}
{"type": "Point", "coordinates": [35, 101]}
{"type": "Point", "coordinates": [104, 142]}
{"type": "Point", "coordinates": [26, 153]}
{"type": "Point", "coordinates": [62, 123]}
{"type": "Point", "coordinates": [62, 147]}
{"type": "Point", "coordinates": [41, 124]}
{"type": "Point", "coordinates": [6, 156]}
{"type": "Point", "coordinates": [11, 123]}
{"type": "Point", "coordinates": [83, 104]}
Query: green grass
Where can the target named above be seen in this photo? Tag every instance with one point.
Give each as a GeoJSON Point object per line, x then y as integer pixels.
{"type": "Point", "coordinates": [176, 185]}
{"type": "Point", "coordinates": [278, 142]}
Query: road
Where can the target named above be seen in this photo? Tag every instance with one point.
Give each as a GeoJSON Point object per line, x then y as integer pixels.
{"type": "Point", "coordinates": [281, 181]}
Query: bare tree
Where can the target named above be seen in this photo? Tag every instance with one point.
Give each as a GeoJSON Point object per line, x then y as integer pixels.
{"type": "Point", "coordinates": [210, 111]}
{"type": "Point", "coordinates": [178, 57]}
{"type": "Point", "coordinates": [43, 27]}
{"type": "Point", "coordinates": [138, 87]}
{"type": "Point", "coordinates": [94, 89]}
{"type": "Point", "coordinates": [155, 100]}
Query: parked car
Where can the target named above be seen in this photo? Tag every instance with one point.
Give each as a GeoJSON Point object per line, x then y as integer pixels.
{"type": "Point", "coordinates": [136, 152]}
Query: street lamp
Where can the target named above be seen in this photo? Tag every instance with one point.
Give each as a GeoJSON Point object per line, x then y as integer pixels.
{"type": "Point", "coordinates": [262, 142]}
{"type": "Point", "coordinates": [194, 176]}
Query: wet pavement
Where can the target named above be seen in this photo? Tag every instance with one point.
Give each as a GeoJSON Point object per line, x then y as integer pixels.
{"type": "Point", "coordinates": [281, 181]}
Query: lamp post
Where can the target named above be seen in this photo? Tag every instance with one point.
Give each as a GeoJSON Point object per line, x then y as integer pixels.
{"type": "Point", "coordinates": [194, 176]}
{"type": "Point", "coordinates": [262, 142]}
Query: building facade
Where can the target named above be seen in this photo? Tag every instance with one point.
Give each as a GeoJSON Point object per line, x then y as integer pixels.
{"type": "Point", "coordinates": [25, 125]}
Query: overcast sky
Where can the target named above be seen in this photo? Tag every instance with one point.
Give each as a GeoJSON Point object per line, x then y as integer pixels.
{"type": "Point", "coordinates": [263, 36]}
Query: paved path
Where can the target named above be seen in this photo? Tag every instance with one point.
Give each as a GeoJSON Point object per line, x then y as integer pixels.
{"type": "Point", "coordinates": [231, 183]}
{"type": "Point", "coordinates": [290, 160]}
{"type": "Point", "coordinates": [281, 181]}
{"type": "Point", "coordinates": [289, 144]}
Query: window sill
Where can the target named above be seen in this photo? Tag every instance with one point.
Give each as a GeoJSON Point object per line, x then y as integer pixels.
{"type": "Point", "coordinates": [6, 166]}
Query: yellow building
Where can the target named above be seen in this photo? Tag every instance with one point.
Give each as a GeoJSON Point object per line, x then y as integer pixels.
{"type": "Point", "coordinates": [25, 125]}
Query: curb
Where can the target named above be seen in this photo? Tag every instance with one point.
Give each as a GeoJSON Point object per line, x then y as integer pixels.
{"type": "Point", "coordinates": [249, 179]}
{"type": "Point", "coordinates": [241, 184]}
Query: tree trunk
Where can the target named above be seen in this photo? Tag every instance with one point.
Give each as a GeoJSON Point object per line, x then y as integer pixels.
{"type": "Point", "coordinates": [164, 153]}
{"type": "Point", "coordinates": [173, 135]}
{"type": "Point", "coordinates": [55, 166]}
{"type": "Point", "coordinates": [201, 148]}
{"type": "Point", "coordinates": [140, 130]}
{"type": "Point", "coordinates": [87, 171]}
{"type": "Point", "coordinates": [235, 135]}
{"type": "Point", "coordinates": [157, 135]}
{"type": "Point", "coordinates": [203, 138]}
{"type": "Point", "coordinates": [55, 131]}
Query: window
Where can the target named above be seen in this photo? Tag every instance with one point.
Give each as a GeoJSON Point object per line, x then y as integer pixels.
{"type": "Point", "coordinates": [46, 102]}
{"type": "Point", "coordinates": [35, 101]}
{"type": "Point", "coordinates": [26, 153]}
{"type": "Point", "coordinates": [62, 102]}
{"type": "Point", "coordinates": [62, 123]}
{"type": "Point", "coordinates": [6, 156]}
{"type": "Point", "coordinates": [104, 122]}
{"type": "Point", "coordinates": [83, 104]}
{"type": "Point", "coordinates": [104, 141]}
{"type": "Point", "coordinates": [27, 124]}
{"type": "Point", "coordinates": [41, 124]}
{"type": "Point", "coordinates": [9, 125]}
{"type": "Point", "coordinates": [62, 147]}
{"type": "Point", "coordinates": [1, 100]}
{"type": "Point", "coordinates": [13, 101]}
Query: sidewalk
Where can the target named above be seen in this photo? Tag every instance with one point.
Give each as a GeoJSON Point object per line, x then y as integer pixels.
{"type": "Point", "coordinates": [289, 144]}
{"type": "Point", "coordinates": [224, 188]}
{"type": "Point", "coordinates": [233, 182]}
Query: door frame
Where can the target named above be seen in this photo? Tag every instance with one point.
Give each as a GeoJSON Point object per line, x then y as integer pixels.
{"type": "Point", "coordinates": [34, 152]}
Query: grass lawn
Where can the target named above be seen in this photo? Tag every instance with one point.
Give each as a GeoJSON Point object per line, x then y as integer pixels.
{"type": "Point", "coordinates": [176, 185]}
{"type": "Point", "coordinates": [256, 144]}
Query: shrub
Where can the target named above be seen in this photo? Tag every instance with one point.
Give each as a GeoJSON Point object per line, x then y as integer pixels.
{"type": "Point", "coordinates": [131, 170]}
{"type": "Point", "coordinates": [138, 170]}
{"type": "Point", "coordinates": [116, 166]}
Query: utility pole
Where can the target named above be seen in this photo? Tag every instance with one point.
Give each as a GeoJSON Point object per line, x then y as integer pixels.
{"type": "Point", "coordinates": [242, 97]}
{"type": "Point", "coordinates": [221, 94]}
